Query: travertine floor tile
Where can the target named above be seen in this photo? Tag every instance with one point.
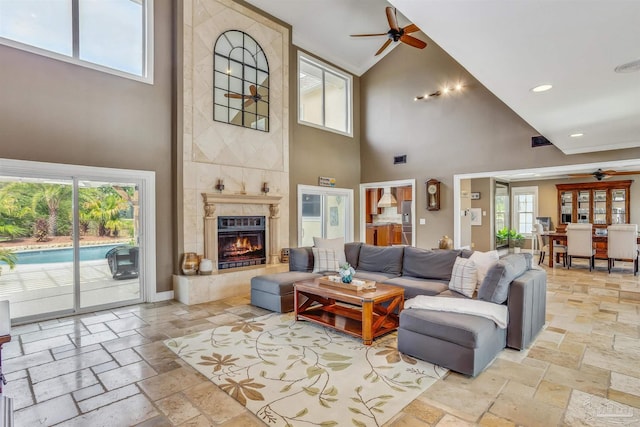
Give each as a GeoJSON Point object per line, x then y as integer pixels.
{"type": "Point", "coordinates": [129, 411]}
{"type": "Point", "coordinates": [585, 361]}
{"type": "Point", "coordinates": [177, 408]}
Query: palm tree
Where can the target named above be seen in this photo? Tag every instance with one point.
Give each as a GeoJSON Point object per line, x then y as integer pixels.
{"type": "Point", "coordinates": [105, 211]}
{"type": "Point", "coordinates": [52, 195]}
{"type": "Point", "coordinates": [7, 257]}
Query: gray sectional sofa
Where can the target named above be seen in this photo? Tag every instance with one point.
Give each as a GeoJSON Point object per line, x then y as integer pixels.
{"type": "Point", "coordinates": [462, 342]}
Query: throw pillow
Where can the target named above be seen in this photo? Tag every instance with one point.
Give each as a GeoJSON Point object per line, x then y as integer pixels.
{"type": "Point", "coordinates": [464, 277]}
{"type": "Point", "coordinates": [495, 286]}
{"type": "Point", "coordinates": [324, 260]}
{"type": "Point", "coordinates": [483, 261]}
{"type": "Point", "coordinates": [336, 244]}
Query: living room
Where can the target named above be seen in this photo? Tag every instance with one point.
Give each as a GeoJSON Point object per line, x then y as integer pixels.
{"type": "Point", "coordinates": [61, 113]}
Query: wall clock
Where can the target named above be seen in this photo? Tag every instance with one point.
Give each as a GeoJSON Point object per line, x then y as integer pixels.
{"type": "Point", "coordinates": [433, 195]}
{"type": "Point", "coordinates": [241, 81]}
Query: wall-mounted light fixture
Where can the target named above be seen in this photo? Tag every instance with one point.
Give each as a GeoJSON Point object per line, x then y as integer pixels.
{"type": "Point", "coordinates": [265, 187]}
{"type": "Point", "coordinates": [442, 92]}
{"type": "Point", "coordinates": [220, 185]}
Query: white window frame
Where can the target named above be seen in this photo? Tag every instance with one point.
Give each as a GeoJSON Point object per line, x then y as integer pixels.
{"type": "Point", "coordinates": [147, 75]}
{"type": "Point", "coordinates": [147, 230]}
{"type": "Point", "coordinates": [323, 192]}
{"type": "Point", "coordinates": [521, 191]}
{"type": "Point", "coordinates": [328, 68]}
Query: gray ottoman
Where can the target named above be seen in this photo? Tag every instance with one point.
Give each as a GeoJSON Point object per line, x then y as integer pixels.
{"type": "Point", "coordinates": [461, 342]}
{"type": "Point", "coordinates": [275, 291]}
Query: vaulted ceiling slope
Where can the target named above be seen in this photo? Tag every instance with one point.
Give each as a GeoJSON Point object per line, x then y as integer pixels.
{"type": "Point", "coordinates": [510, 47]}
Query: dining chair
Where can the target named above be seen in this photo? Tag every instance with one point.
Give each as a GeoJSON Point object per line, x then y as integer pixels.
{"type": "Point", "coordinates": [558, 250]}
{"type": "Point", "coordinates": [580, 243]}
{"type": "Point", "coordinates": [622, 244]}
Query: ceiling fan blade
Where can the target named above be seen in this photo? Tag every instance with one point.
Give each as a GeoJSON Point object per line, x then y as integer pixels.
{"type": "Point", "coordinates": [391, 18]}
{"type": "Point", "coordinates": [234, 95]}
{"type": "Point", "coordinates": [248, 102]}
{"type": "Point", "coordinates": [253, 90]}
{"type": "Point", "coordinates": [411, 28]}
{"type": "Point", "coordinates": [384, 46]}
{"type": "Point", "coordinates": [581, 175]}
{"type": "Point", "coordinates": [368, 35]}
{"type": "Point", "coordinates": [412, 41]}
{"type": "Point", "coordinates": [611, 172]}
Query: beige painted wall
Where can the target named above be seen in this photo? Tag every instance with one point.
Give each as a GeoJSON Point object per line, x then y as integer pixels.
{"type": "Point", "coordinates": [316, 152]}
{"type": "Point", "coordinates": [52, 111]}
{"type": "Point", "coordinates": [481, 235]}
{"type": "Point", "coordinates": [465, 133]}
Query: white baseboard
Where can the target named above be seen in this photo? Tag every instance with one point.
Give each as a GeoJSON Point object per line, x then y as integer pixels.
{"type": "Point", "coordinates": [162, 296]}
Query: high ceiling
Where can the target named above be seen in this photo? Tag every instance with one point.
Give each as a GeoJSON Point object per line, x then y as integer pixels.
{"type": "Point", "coordinates": [510, 47]}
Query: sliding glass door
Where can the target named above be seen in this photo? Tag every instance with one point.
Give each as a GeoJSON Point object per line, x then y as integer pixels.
{"type": "Point", "coordinates": [324, 212]}
{"type": "Point", "coordinates": [69, 243]}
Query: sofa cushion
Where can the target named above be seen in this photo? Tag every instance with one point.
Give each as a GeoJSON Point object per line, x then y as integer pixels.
{"type": "Point", "coordinates": [301, 259]}
{"type": "Point", "coordinates": [336, 244]}
{"type": "Point", "coordinates": [352, 252]}
{"type": "Point", "coordinates": [381, 259]}
{"type": "Point", "coordinates": [325, 260]}
{"type": "Point", "coordinates": [484, 260]}
{"type": "Point", "coordinates": [414, 286]}
{"type": "Point", "coordinates": [280, 283]}
{"type": "Point", "coordinates": [373, 275]}
{"type": "Point", "coordinates": [466, 330]}
{"type": "Point", "coordinates": [428, 264]}
{"type": "Point", "coordinates": [464, 277]}
{"type": "Point", "coordinates": [495, 286]}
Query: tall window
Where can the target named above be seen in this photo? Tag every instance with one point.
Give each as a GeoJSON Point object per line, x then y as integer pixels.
{"type": "Point", "coordinates": [525, 208]}
{"type": "Point", "coordinates": [109, 35]}
{"type": "Point", "coordinates": [324, 96]}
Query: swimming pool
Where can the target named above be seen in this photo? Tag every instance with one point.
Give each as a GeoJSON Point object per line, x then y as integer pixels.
{"type": "Point", "coordinates": [45, 256]}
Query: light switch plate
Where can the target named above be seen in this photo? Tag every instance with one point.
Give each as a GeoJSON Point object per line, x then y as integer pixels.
{"type": "Point", "coordinates": [423, 221]}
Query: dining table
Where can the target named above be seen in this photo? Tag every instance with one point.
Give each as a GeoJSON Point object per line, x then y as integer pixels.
{"type": "Point", "coordinates": [600, 241]}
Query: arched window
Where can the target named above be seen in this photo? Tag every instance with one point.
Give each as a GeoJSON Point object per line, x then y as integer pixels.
{"type": "Point", "coordinates": [241, 81]}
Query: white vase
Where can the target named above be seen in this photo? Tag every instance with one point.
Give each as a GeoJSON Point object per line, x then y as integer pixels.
{"type": "Point", "coordinates": [206, 266]}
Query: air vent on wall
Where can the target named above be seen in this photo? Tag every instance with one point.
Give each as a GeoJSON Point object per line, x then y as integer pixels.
{"type": "Point", "coordinates": [539, 141]}
{"type": "Point", "coordinates": [397, 160]}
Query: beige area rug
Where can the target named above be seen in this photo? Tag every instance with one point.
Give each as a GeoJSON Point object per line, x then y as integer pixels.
{"type": "Point", "coordinates": [292, 373]}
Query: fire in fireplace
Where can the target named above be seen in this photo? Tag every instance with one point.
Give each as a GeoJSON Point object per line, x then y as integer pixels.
{"type": "Point", "coordinates": [241, 241]}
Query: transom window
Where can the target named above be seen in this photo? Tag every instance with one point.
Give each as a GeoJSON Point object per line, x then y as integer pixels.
{"type": "Point", "coordinates": [113, 36]}
{"type": "Point", "coordinates": [324, 96]}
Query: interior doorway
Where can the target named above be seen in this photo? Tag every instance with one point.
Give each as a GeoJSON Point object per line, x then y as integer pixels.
{"type": "Point", "coordinates": [325, 212]}
{"type": "Point", "coordinates": [387, 213]}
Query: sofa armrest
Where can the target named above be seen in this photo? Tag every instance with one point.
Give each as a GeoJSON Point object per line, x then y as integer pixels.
{"type": "Point", "coordinates": [527, 304]}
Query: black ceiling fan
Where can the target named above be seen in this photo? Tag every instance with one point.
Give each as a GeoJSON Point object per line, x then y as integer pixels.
{"type": "Point", "coordinates": [396, 33]}
{"type": "Point", "coordinates": [600, 174]}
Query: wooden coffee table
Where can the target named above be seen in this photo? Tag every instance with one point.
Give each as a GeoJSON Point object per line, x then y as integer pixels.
{"type": "Point", "coordinates": [361, 313]}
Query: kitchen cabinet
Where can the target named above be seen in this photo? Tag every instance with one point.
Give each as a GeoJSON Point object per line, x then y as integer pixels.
{"type": "Point", "coordinates": [371, 203]}
{"type": "Point", "coordinates": [384, 234]}
{"type": "Point", "coordinates": [597, 203]}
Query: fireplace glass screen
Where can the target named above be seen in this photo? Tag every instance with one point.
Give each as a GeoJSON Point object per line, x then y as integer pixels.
{"type": "Point", "coordinates": [241, 241]}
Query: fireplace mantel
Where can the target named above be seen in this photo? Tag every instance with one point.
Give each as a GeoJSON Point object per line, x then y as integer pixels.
{"type": "Point", "coordinates": [210, 221]}
{"type": "Point", "coordinates": [250, 199]}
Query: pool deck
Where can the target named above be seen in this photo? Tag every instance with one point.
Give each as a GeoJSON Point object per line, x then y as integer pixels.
{"type": "Point", "coordinates": [33, 289]}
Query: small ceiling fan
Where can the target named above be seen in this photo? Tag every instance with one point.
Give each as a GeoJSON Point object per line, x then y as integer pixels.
{"type": "Point", "coordinates": [396, 33]}
{"type": "Point", "coordinates": [600, 174]}
{"type": "Point", "coordinates": [250, 99]}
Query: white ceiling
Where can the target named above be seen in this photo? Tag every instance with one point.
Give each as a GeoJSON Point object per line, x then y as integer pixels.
{"type": "Point", "coordinates": [510, 47]}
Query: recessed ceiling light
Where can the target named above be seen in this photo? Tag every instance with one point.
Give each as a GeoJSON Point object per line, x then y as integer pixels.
{"type": "Point", "coordinates": [542, 88]}
{"type": "Point", "coordinates": [576, 135]}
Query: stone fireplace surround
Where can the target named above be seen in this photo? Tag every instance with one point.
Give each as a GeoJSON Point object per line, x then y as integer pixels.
{"type": "Point", "coordinates": [231, 282]}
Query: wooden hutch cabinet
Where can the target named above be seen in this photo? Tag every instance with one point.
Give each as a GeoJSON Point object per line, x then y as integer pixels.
{"type": "Point", "coordinates": [598, 203]}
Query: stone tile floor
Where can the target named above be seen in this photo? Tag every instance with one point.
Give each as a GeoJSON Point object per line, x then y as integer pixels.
{"type": "Point", "coordinates": [111, 369]}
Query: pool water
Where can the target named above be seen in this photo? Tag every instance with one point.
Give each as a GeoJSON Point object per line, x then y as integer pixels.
{"type": "Point", "coordinates": [45, 256]}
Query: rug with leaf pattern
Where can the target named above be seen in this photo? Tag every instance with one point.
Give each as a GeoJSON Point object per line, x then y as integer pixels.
{"type": "Point", "coordinates": [292, 373]}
